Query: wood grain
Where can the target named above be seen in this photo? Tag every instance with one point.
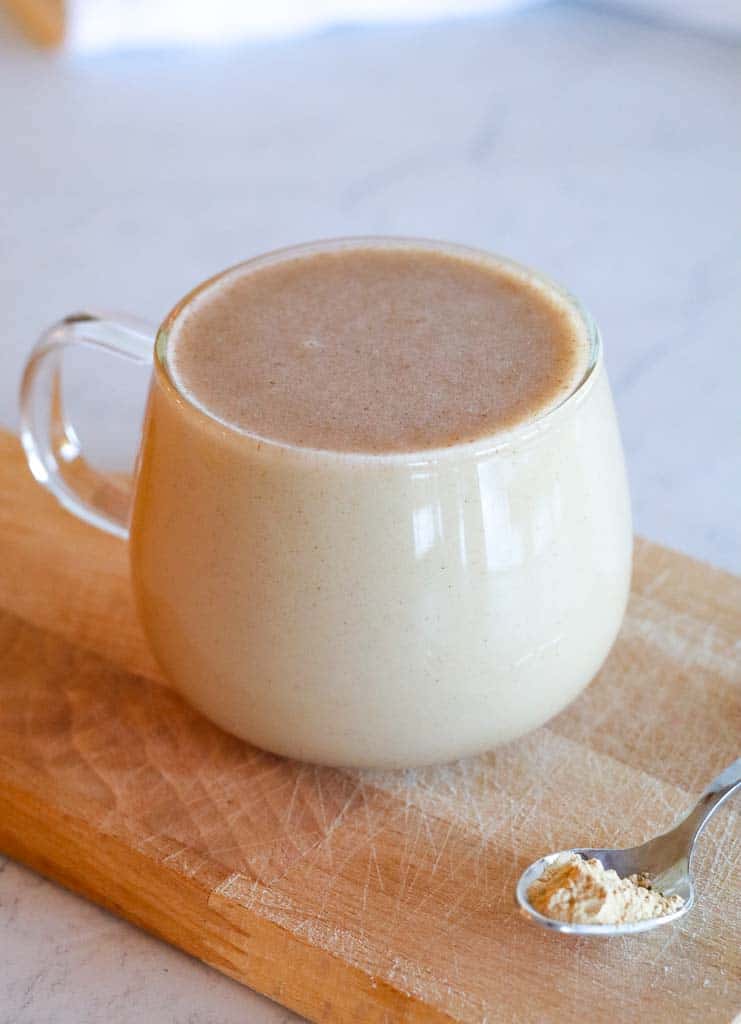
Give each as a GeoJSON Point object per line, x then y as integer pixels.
{"type": "Point", "coordinates": [362, 896]}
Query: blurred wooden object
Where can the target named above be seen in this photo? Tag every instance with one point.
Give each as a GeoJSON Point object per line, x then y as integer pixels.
{"type": "Point", "coordinates": [43, 21]}
{"type": "Point", "coordinates": [365, 897]}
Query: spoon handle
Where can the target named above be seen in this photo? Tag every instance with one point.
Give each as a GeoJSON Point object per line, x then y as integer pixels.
{"type": "Point", "coordinates": [722, 786]}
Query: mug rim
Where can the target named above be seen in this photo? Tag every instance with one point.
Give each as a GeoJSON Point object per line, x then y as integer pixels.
{"type": "Point", "coordinates": [486, 443]}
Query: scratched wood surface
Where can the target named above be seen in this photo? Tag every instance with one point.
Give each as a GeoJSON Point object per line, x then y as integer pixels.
{"type": "Point", "coordinates": [360, 896]}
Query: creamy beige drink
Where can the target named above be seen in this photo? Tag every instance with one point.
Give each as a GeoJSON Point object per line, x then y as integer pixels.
{"type": "Point", "coordinates": [381, 515]}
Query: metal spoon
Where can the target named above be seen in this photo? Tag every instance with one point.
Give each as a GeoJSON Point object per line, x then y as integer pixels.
{"type": "Point", "coordinates": [667, 860]}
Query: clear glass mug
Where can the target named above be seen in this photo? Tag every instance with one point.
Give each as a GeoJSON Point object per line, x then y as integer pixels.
{"type": "Point", "coordinates": [351, 609]}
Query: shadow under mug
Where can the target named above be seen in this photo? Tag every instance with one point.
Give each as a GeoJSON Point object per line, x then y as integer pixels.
{"type": "Point", "coordinates": [375, 610]}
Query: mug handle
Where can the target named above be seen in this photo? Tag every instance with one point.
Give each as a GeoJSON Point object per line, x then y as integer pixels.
{"type": "Point", "coordinates": [49, 439]}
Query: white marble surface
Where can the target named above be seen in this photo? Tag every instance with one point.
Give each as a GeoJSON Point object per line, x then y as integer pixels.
{"type": "Point", "coordinates": [603, 150]}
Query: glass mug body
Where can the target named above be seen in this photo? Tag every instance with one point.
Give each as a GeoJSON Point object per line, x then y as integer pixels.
{"type": "Point", "coordinates": [380, 610]}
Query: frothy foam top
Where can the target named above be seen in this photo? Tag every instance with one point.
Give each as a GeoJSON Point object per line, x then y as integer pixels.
{"type": "Point", "coordinates": [377, 349]}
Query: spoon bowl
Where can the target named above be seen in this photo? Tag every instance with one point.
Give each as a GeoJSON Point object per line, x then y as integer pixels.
{"type": "Point", "coordinates": [666, 860]}
{"type": "Point", "coordinates": [615, 859]}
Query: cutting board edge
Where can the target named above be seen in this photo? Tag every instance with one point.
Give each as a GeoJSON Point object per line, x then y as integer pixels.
{"type": "Point", "coordinates": [361, 998]}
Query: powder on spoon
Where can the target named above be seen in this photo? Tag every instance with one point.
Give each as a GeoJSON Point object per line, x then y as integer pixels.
{"type": "Point", "coordinates": [585, 892]}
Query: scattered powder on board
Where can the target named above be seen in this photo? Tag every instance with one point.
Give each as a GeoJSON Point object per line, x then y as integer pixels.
{"type": "Point", "coordinates": [584, 892]}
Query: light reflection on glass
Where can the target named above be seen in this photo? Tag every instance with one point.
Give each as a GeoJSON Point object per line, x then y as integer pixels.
{"type": "Point", "coordinates": [503, 542]}
{"type": "Point", "coordinates": [546, 519]}
{"type": "Point", "coordinates": [461, 512]}
{"type": "Point", "coordinates": [426, 523]}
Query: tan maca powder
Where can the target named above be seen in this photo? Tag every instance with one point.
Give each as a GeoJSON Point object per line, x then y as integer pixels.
{"type": "Point", "coordinates": [584, 892]}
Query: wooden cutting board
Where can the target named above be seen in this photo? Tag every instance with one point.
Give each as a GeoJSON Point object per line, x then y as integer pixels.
{"type": "Point", "coordinates": [360, 896]}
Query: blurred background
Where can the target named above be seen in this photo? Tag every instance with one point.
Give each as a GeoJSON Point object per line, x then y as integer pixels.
{"type": "Point", "coordinates": [147, 145]}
